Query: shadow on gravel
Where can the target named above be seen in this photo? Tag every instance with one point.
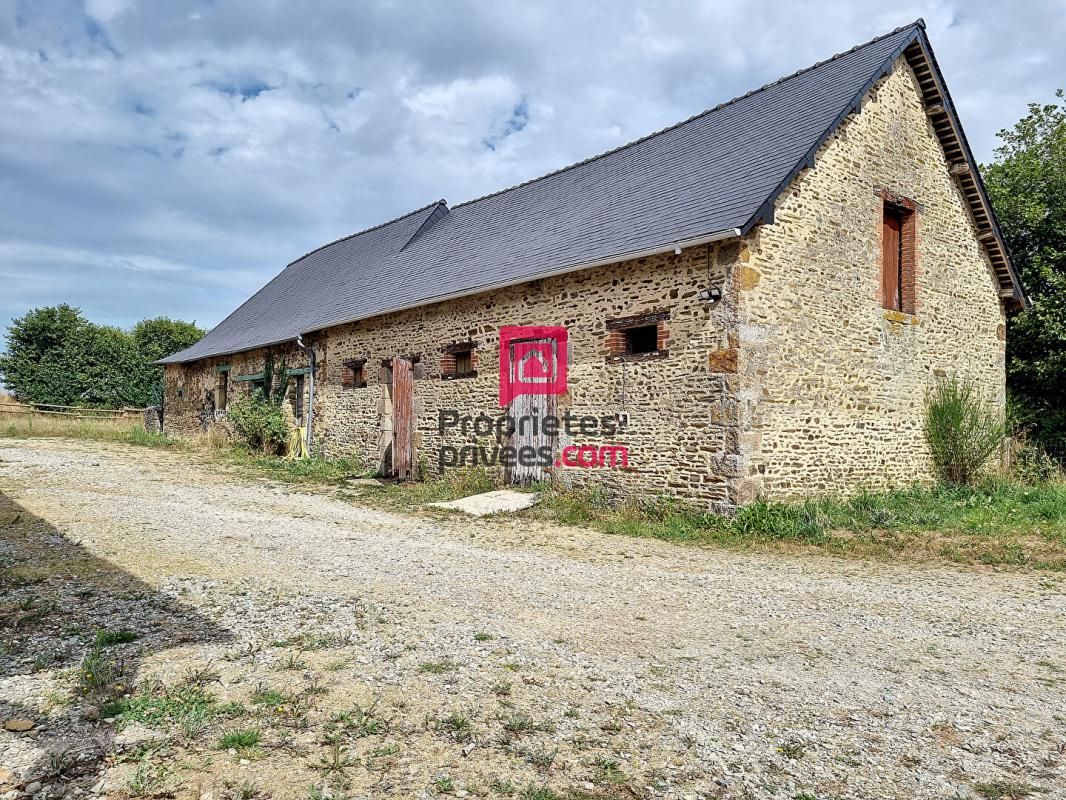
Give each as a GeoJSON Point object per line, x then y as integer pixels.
{"type": "Point", "coordinates": [59, 604]}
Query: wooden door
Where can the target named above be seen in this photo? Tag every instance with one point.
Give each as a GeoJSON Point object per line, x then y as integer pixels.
{"type": "Point", "coordinates": [403, 401]}
{"type": "Point", "coordinates": [525, 408]}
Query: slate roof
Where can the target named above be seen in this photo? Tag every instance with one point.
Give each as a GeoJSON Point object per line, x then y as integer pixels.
{"type": "Point", "coordinates": [715, 175]}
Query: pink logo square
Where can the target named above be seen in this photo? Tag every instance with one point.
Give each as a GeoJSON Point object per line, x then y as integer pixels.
{"type": "Point", "coordinates": [532, 360]}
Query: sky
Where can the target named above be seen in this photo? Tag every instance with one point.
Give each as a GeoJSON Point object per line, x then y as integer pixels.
{"type": "Point", "coordinates": [168, 158]}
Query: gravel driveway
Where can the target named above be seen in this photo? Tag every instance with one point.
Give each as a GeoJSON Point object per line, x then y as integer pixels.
{"type": "Point", "coordinates": [583, 664]}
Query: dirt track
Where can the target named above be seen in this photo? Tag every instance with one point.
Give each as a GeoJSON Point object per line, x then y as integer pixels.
{"type": "Point", "coordinates": [694, 672]}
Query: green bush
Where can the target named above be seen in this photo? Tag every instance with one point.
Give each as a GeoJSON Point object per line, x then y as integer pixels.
{"type": "Point", "coordinates": [1031, 464]}
{"type": "Point", "coordinates": [259, 424]}
{"type": "Point", "coordinates": [962, 430]}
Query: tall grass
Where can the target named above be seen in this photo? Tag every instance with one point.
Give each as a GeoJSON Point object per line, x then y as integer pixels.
{"type": "Point", "coordinates": [125, 430]}
{"type": "Point", "coordinates": [994, 522]}
{"type": "Point", "coordinates": [963, 431]}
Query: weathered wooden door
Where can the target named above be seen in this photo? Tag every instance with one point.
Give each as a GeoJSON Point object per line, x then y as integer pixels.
{"type": "Point", "coordinates": [529, 410]}
{"type": "Point", "coordinates": [403, 402]}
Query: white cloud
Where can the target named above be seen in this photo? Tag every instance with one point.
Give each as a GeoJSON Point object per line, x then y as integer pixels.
{"type": "Point", "coordinates": [170, 157]}
{"type": "Point", "coordinates": [106, 10]}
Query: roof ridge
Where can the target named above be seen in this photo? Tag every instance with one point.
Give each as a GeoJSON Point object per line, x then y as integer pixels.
{"type": "Point", "coordinates": [920, 23]}
{"type": "Point", "coordinates": [442, 201]}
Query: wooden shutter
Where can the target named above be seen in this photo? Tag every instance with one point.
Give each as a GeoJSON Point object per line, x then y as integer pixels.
{"type": "Point", "coordinates": [890, 260]}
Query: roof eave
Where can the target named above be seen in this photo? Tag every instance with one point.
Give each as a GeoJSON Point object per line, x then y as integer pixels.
{"type": "Point", "coordinates": [918, 52]}
{"type": "Point", "coordinates": [717, 236]}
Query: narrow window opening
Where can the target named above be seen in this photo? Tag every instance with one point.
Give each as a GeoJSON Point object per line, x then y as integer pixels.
{"type": "Point", "coordinates": [222, 392]}
{"type": "Point", "coordinates": [892, 259]}
{"type": "Point", "coordinates": [298, 398]}
{"type": "Point", "coordinates": [464, 363]}
{"type": "Point", "coordinates": [644, 339]}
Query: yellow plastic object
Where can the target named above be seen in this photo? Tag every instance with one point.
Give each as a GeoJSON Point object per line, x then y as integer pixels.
{"type": "Point", "coordinates": [298, 443]}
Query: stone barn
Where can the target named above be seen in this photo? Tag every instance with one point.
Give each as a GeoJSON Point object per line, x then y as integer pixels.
{"type": "Point", "coordinates": [752, 302]}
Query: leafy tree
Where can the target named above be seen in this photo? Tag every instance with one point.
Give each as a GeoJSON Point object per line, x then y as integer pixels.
{"type": "Point", "coordinates": [158, 338]}
{"type": "Point", "coordinates": [104, 366]}
{"type": "Point", "coordinates": [55, 355]}
{"type": "Point", "coordinates": [1027, 185]}
{"type": "Point", "coordinates": [154, 339]}
{"type": "Point", "coordinates": [40, 344]}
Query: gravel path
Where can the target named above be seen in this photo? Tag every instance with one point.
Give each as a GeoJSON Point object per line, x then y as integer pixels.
{"type": "Point", "coordinates": [656, 670]}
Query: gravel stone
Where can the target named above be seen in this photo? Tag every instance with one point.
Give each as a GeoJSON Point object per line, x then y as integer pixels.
{"type": "Point", "coordinates": [698, 672]}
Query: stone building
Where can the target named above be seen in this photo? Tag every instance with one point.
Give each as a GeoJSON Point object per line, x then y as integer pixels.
{"type": "Point", "coordinates": [752, 303]}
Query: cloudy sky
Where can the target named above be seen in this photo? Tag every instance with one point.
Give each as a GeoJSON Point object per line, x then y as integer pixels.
{"type": "Point", "coordinates": [167, 158]}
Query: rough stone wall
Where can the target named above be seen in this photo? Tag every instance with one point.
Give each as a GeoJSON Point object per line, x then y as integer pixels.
{"type": "Point", "coordinates": [832, 385]}
{"type": "Point", "coordinates": [680, 420]}
{"type": "Point", "coordinates": [187, 408]}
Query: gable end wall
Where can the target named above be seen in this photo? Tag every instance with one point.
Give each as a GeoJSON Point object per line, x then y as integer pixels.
{"type": "Point", "coordinates": [832, 385]}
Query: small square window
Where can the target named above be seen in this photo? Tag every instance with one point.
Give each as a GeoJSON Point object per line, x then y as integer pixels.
{"type": "Point", "coordinates": [354, 375]}
{"type": "Point", "coordinates": [644, 339]}
{"type": "Point", "coordinates": [458, 360]}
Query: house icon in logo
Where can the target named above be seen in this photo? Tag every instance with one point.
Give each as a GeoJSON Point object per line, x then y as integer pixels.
{"type": "Point", "coordinates": [532, 360]}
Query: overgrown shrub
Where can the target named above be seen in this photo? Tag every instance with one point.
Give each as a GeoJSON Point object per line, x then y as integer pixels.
{"type": "Point", "coordinates": [1030, 464]}
{"type": "Point", "coordinates": [963, 431]}
{"type": "Point", "coordinates": [259, 424]}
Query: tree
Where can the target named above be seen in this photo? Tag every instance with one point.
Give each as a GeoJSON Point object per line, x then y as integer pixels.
{"type": "Point", "coordinates": [40, 344]}
{"type": "Point", "coordinates": [55, 355]}
{"type": "Point", "coordinates": [1027, 185]}
{"type": "Point", "coordinates": [158, 338]}
{"type": "Point", "coordinates": [155, 339]}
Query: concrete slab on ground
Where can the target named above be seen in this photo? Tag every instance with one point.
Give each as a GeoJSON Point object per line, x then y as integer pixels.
{"type": "Point", "coordinates": [497, 502]}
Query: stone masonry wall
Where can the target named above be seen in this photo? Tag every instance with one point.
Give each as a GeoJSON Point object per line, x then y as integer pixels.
{"type": "Point", "coordinates": [190, 390]}
{"type": "Point", "coordinates": [831, 384]}
{"type": "Point", "coordinates": [680, 427]}
{"type": "Point", "coordinates": [680, 418]}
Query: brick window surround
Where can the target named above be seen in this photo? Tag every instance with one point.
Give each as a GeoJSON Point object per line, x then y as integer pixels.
{"type": "Point", "coordinates": [899, 253]}
{"type": "Point", "coordinates": [616, 341]}
{"type": "Point", "coordinates": [353, 374]}
{"type": "Point", "coordinates": [458, 360]}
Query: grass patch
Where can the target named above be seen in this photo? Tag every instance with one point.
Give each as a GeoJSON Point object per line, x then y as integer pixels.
{"type": "Point", "coordinates": [305, 470]}
{"type": "Point", "coordinates": [100, 679]}
{"type": "Point", "coordinates": [997, 522]}
{"type": "Point", "coordinates": [451, 486]}
{"type": "Point", "coordinates": [185, 706]}
{"type": "Point", "coordinates": [240, 739]}
{"type": "Point", "coordinates": [266, 696]}
{"type": "Point", "coordinates": [109, 638]}
{"type": "Point", "coordinates": [1004, 790]}
{"type": "Point", "coordinates": [124, 431]}
{"type": "Point", "coordinates": [438, 667]}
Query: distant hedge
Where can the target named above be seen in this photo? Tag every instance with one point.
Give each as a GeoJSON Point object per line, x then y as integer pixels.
{"type": "Point", "coordinates": [55, 355]}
